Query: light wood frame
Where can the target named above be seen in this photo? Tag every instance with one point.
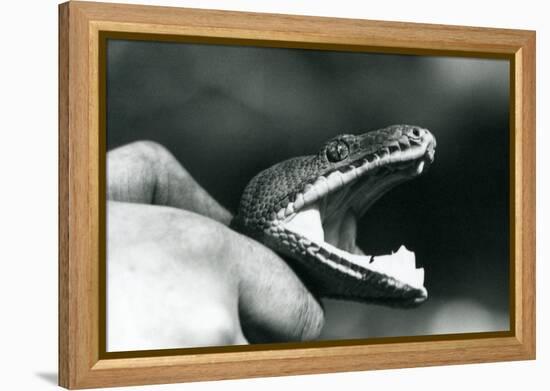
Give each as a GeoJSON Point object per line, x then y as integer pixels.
{"type": "Point", "coordinates": [82, 160]}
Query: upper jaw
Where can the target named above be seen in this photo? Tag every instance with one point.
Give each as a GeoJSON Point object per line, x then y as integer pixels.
{"type": "Point", "coordinates": [400, 164]}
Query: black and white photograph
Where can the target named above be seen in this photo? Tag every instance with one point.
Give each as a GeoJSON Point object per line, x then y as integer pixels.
{"type": "Point", "coordinates": [240, 195]}
{"type": "Point", "coordinates": [268, 195]}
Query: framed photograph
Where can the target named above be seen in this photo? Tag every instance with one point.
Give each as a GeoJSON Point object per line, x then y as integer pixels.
{"type": "Point", "coordinates": [246, 195]}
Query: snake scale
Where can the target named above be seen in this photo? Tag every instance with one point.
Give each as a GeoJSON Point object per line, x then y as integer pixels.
{"type": "Point", "coordinates": [306, 209]}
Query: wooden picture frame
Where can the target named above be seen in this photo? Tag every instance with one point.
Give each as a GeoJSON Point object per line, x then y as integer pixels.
{"type": "Point", "coordinates": [83, 362]}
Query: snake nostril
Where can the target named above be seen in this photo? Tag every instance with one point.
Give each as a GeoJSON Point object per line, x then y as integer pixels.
{"type": "Point", "coordinates": [416, 132]}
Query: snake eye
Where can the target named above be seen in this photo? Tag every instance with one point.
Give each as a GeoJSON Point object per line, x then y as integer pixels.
{"type": "Point", "coordinates": [337, 151]}
{"type": "Point", "coordinates": [415, 132]}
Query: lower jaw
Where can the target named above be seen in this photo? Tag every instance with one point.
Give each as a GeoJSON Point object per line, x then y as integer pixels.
{"type": "Point", "coordinates": [328, 275]}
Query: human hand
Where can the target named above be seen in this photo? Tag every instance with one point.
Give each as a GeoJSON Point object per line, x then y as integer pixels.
{"type": "Point", "coordinates": [177, 278]}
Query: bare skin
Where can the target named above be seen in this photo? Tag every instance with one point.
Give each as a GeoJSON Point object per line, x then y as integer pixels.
{"type": "Point", "coordinates": [178, 276]}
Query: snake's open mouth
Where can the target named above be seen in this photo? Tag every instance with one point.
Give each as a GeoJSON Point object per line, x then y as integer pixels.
{"type": "Point", "coordinates": [326, 212]}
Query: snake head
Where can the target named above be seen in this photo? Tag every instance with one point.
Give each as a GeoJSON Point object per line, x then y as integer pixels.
{"type": "Point", "coordinates": [307, 208]}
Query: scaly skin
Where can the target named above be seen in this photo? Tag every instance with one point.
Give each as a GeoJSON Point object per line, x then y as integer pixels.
{"type": "Point", "coordinates": [272, 197]}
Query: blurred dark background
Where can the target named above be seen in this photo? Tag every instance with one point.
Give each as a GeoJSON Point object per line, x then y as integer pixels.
{"type": "Point", "coordinates": [227, 112]}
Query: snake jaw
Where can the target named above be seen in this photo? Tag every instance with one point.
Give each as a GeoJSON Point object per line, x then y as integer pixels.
{"type": "Point", "coordinates": [316, 214]}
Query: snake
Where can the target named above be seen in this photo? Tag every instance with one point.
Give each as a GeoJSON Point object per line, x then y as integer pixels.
{"type": "Point", "coordinates": [307, 210]}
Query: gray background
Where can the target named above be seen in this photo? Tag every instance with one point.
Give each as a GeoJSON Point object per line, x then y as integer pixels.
{"type": "Point", "coordinates": [227, 112]}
